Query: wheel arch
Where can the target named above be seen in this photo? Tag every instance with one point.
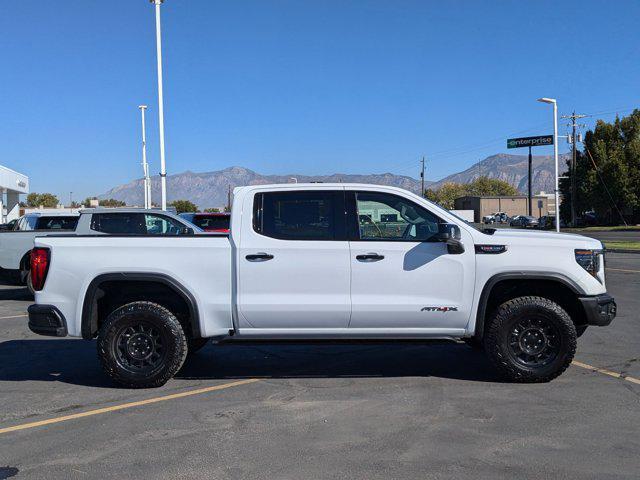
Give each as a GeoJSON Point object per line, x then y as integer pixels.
{"type": "Point", "coordinates": [520, 278]}
{"type": "Point", "coordinates": [91, 314]}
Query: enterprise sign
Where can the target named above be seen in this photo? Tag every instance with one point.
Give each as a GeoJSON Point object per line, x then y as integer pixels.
{"type": "Point", "coordinates": [530, 141]}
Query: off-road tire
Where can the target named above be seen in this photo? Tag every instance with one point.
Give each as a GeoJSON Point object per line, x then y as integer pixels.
{"type": "Point", "coordinates": [499, 336]}
{"type": "Point", "coordinates": [196, 344]}
{"type": "Point", "coordinates": [173, 344]}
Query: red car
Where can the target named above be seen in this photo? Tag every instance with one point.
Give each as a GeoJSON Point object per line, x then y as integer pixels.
{"type": "Point", "coordinates": [209, 222]}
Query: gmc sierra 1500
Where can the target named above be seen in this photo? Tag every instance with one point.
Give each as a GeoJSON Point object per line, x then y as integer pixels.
{"type": "Point", "coordinates": [323, 261]}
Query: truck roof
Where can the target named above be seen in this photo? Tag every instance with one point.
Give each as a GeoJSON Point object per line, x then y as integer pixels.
{"type": "Point", "coordinates": [123, 210]}
{"type": "Point", "coordinates": [319, 185]}
{"type": "Point", "coordinates": [51, 214]}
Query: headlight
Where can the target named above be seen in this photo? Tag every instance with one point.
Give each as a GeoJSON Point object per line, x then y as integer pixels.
{"type": "Point", "coordinates": [590, 261]}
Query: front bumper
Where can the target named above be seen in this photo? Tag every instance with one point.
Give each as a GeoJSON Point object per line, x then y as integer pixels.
{"type": "Point", "coordinates": [599, 310]}
{"type": "Point", "coordinates": [47, 320]}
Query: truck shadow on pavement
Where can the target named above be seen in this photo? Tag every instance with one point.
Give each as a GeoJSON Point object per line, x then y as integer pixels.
{"type": "Point", "coordinates": [15, 293]}
{"type": "Point", "coordinates": [75, 362]}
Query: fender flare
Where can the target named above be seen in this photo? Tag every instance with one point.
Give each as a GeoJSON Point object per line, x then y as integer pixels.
{"type": "Point", "coordinates": [517, 275]}
{"type": "Point", "coordinates": [89, 321]}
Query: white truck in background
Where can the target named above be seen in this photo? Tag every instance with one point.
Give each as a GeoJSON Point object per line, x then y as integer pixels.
{"type": "Point", "coordinates": [318, 262]}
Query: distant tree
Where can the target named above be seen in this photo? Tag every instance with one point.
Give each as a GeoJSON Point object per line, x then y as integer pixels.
{"type": "Point", "coordinates": [614, 186]}
{"type": "Point", "coordinates": [446, 194]}
{"type": "Point", "coordinates": [227, 209]}
{"type": "Point", "coordinates": [47, 200]}
{"type": "Point", "coordinates": [75, 204]}
{"type": "Point", "coordinates": [112, 202]}
{"type": "Point", "coordinates": [212, 210]}
{"type": "Point", "coordinates": [182, 206]}
{"type": "Point", "coordinates": [482, 186]}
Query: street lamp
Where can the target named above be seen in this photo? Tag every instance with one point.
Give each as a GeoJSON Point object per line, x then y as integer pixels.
{"type": "Point", "coordinates": [555, 155]}
{"type": "Point", "coordinates": [163, 171]}
{"type": "Point", "coordinates": [145, 165]}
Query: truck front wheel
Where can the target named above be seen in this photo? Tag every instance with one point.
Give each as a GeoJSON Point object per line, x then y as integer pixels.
{"type": "Point", "coordinates": [530, 339]}
{"type": "Point", "coordinates": [141, 345]}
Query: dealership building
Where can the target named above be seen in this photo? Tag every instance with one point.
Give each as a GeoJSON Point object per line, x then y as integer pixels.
{"type": "Point", "coordinates": [12, 185]}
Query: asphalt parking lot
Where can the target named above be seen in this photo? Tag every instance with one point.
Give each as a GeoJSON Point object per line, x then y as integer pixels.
{"type": "Point", "coordinates": [347, 411]}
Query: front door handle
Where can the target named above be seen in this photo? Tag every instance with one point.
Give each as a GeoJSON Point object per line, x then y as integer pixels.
{"type": "Point", "coordinates": [370, 257]}
{"type": "Point", "coordinates": [259, 257]}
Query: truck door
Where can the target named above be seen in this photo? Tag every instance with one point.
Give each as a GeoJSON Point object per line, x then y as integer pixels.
{"type": "Point", "coordinates": [293, 261]}
{"type": "Point", "coordinates": [401, 276]}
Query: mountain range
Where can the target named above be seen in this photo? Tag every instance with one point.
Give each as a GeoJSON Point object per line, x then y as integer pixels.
{"type": "Point", "coordinates": [209, 189]}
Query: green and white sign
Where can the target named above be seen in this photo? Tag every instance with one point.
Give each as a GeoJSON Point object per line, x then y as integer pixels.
{"type": "Point", "coordinates": [530, 141]}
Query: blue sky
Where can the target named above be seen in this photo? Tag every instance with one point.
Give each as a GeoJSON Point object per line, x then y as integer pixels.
{"type": "Point", "coordinates": [299, 86]}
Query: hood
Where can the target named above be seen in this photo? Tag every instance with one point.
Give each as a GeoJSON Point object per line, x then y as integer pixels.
{"type": "Point", "coordinates": [509, 235]}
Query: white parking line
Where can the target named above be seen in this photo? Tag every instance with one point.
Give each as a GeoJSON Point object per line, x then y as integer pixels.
{"type": "Point", "coordinates": [14, 316]}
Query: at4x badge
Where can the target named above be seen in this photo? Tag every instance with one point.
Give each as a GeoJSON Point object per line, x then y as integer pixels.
{"type": "Point", "coordinates": [439, 309]}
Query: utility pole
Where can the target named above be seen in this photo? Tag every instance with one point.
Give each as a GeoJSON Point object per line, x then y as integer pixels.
{"type": "Point", "coordinates": [422, 178]}
{"type": "Point", "coordinates": [145, 165]}
{"type": "Point", "coordinates": [229, 198]}
{"type": "Point", "coordinates": [163, 169]}
{"type": "Point", "coordinates": [530, 182]}
{"type": "Point", "coordinates": [574, 155]}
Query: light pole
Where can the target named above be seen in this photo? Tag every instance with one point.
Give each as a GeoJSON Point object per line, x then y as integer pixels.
{"type": "Point", "coordinates": [163, 170]}
{"type": "Point", "coordinates": [145, 165]}
{"type": "Point", "coordinates": [555, 155]}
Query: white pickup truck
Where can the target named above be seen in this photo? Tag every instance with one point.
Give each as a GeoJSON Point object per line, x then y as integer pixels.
{"type": "Point", "coordinates": [318, 262]}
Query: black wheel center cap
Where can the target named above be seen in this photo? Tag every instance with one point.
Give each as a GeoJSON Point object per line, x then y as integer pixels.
{"type": "Point", "coordinates": [533, 341]}
{"type": "Point", "coordinates": [140, 346]}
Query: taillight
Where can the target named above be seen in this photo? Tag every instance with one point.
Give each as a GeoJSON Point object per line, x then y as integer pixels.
{"type": "Point", "coordinates": [40, 258]}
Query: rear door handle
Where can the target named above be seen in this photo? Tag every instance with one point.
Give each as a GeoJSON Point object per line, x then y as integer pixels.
{"type": "Point", "coordinates": [370, 257]}
{"type": "Point", "coordinates": [259, 257]}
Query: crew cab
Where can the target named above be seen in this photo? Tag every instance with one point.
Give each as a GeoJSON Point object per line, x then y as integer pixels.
{"type": "Point", "coordinates": [318, 262]}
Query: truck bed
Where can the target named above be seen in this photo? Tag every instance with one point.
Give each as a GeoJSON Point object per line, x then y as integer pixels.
{"type": "Point", "coordinates": [201, 264]}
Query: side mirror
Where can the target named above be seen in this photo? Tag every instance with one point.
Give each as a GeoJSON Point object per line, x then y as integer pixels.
{"type": "Point", "coordinates": [187, 231]}
{"type": "Point", "coordinates": [450, 234]}
{"type": "Point", "coordinates": [448, 231]}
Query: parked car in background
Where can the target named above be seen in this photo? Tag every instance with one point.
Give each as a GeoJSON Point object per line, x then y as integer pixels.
{"type": "Point", "coordinates": [524, 221]}
{"type": "Point", "coordinates": [497, 217]}
{"type": "Point", "coordinates": [548, 222]}
{"type": "Point", "coordinates": [210, 221]}
{"type": "Point", "coordinates": [16, 245]}
{"type": "Point", "coordinates": [132, 221]}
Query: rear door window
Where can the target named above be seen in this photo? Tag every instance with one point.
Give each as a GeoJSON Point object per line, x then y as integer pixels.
{"type": "Point", "coordinates": [300, 215]}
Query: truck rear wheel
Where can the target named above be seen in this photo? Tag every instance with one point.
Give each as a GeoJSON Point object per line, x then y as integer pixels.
{"type": "Point", "coordinates": [141, 345]}
{"type": "Point", "coordinates": [530, 339]}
